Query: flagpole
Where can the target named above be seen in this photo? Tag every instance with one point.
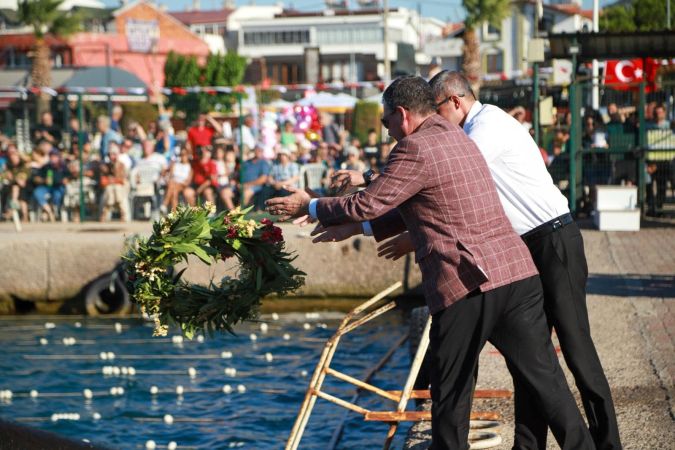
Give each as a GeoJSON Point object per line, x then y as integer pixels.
{"type": "Point", "coordinates": [595, 95]}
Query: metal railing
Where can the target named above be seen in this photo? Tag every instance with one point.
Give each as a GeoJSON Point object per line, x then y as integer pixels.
{"type": "Point", "coordinates": [483, 424]}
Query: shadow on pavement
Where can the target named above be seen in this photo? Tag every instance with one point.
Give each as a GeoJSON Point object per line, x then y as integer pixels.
{"type": "Point", "coordinates": [631, 285]}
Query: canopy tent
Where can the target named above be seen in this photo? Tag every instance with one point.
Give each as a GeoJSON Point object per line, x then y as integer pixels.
{"type": "Point", "coordinates": [324, 101]}
{"type": "Point", "coordinates": [277, 105]}
{"type": "Point", "coordinates": [100, 76]}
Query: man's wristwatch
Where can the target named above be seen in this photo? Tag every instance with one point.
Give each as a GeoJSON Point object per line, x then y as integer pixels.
{"type": "Point", "coordinates": [368, 176]}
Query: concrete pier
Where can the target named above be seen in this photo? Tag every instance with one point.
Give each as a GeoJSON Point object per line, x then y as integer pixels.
{"type": "Point", "coordinates": [48, 264]}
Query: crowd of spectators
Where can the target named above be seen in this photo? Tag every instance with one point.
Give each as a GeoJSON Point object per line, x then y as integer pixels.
{"type": "Point", "coordinates": [123, 161]}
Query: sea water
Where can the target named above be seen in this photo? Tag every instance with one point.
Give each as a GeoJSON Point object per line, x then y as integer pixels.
{"type": "Point", "coordinates": [52, 365]}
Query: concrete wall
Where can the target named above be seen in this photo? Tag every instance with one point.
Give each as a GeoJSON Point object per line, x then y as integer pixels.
{"type": "Point", "coordinates": [50, 263]}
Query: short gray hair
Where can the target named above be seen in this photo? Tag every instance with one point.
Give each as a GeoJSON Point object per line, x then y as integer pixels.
{"type": "Point", "coordinates": [450, 82]}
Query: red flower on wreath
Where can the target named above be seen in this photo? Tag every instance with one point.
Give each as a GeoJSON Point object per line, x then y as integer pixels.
{"type": "Point", "coordinates": [231, 232]}
{"type": "Point", "coordinates": [267, 222]}
{"type": "Point", "coordinates": [274, 235]}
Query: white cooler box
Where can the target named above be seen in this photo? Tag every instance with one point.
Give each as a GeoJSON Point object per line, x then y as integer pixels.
{"type": "Point", "coordinates": [616, 208]}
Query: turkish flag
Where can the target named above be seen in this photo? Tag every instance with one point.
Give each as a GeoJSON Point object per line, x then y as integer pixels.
{"type": "Point", "coordinates": [625, 74]}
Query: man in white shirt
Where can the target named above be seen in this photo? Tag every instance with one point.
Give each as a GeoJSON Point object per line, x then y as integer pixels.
{"type": "Point", "coordinates": [539, 213]}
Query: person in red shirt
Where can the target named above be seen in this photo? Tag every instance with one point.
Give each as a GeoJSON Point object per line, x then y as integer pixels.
{"type": "Point", "coordinates": [204, 177]}
{"type": "Point", "coordinates": [201, 135]}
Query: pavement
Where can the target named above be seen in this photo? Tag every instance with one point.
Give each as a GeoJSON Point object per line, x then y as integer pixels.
{"type": "Point", "coordinates": [631, 303]}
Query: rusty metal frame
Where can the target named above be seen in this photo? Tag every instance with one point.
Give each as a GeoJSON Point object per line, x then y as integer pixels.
{"type": "Point", "coordinates": [358, 316]}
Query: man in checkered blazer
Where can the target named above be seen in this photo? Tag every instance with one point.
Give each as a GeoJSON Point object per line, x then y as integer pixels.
{"type": "Point", "coordinates": [478, 276]}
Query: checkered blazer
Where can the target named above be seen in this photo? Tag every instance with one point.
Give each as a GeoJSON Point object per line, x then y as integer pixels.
{"type": "Point", "coordinates": [444, 195]}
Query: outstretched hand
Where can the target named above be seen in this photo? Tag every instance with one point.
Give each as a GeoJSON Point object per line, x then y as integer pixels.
{"type": "Point", "coordinates": [343, 180]}
{"type": "Point", "coordinates": [294, 205]}
{"type": "Point", "coordinates": [336, 233]}
{"type": "Point", "coordinates": [395, 248]}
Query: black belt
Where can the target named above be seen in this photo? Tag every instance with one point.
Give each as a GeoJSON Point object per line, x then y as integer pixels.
{"type": "Point", "coordinates": [549, 227]}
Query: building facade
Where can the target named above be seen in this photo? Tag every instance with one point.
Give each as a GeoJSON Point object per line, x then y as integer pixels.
{"type": "Point", "coordinates": [290, 47]}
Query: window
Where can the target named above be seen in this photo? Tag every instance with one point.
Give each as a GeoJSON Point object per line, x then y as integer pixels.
{"type": "Point", "coordinates": [490, 33]}
{"type": "Point", "coordinates": [276, 37]}
{"type": "Point", "coordinates": [495, 62]}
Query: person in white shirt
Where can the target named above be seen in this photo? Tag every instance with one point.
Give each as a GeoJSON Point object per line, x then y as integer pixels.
{"type": "Point", "coordinates": [539, 214]}
{"type": "Point", "coordinates": [247, 137]}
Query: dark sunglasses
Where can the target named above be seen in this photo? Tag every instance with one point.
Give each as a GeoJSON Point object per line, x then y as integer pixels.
{"type": "Point", "coordinates": [385, 119]}
{"type": "Point", "coordinates": [447, 99]}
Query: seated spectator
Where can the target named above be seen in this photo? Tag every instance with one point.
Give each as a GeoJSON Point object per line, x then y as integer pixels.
{"type": "Point", "coordinates": [166, 140]}
{"type": "Point", "coordinates": [371, 148]}
{"type": "Point", "coordinates": [204, 173]}
{"type": "Point", "coordinates": [254, 174]}
{"type": "Point", "coordinates": [136, 133]}
{"type": "Point", "coordinates": [40, 155]}
{"type": "Point", "coordinates": [520, 115]}
{"type": "Point", "coordinates": [124, 156]}
{"type": "Point", "coordinates": [660, 121]}
{"type": "Point", "coordinates": [615, 115]}
{"type": "Point", "coordinates": [201, 135]}
{"type": "Point", "coordinates": [179, 179]}
{"type": "Point", "coordinates": [73, 149]}
{"type": "Point", "coordinates": [107, 136]}
{"type": "Point", "coordinates": [353, 161]}
{"type": "Point", "coordinates": [226, 163]}
{"type": "Point", "coordinates": [284, 172]}
{"type": "Point", "coordinates": [14, 179]}
{"type": "Point", "coordinates": [116, 119]}
{"type": "Point", "coordinates": [288, 134]}
{"type": "Point", "coordinates": [151, 161]}
{"type": "Point", "coordinates": [302, 152]}
{"type": "Point", "coordinates": [593, 136]}
{"type": "Point", "coordinates": [330, 133]}
{"type": "Point", "coordinates": [46, 130]}
{"type": "Point", "coordinates": [50, 184]}
{"type": "Point", "coordinates": [246, 138]}
{"type": "Point", "coordinates": [115, 184]}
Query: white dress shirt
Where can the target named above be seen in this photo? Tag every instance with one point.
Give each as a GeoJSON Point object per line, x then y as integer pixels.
{"type": "Point", "coordinates": [525, 187]}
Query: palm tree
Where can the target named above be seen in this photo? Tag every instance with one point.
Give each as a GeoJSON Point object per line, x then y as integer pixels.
{"type": "Point", "coordinates": [45, 18]}
{"type": "Point", "coordinates": [478, 12]}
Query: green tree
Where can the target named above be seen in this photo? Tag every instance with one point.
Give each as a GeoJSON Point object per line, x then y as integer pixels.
{"type": "Point", "coordinates": [44, 17]}
{"type": "Point", "coordinates": [478, 12]}
{"type": "Point", "coordinates": [636, 15]}
{"type": "Point", "coordinates": [218, 71]}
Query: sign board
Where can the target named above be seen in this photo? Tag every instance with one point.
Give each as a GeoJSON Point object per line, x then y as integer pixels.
{"type": "Point", "coordinates": [562, 72]}
{"type": "Point", "coordinates": [142, 35]}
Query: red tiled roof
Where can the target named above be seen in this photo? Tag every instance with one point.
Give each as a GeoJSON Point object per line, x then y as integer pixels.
{"type": "Point", "coordinates": [206, 16]}
{"type": "Point", "coordinates": [26, 41]}
{"type": "Point", "coordinates": [452, 28]}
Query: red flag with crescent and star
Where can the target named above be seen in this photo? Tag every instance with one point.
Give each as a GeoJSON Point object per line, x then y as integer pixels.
{"type": "Point", "coordinates": [626, 74]}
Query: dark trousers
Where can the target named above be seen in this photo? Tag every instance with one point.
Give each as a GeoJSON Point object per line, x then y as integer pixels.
{"type": "Point", "coordinates": [561, 261]}
{"type": "Point", "coordinates": [512, 318]}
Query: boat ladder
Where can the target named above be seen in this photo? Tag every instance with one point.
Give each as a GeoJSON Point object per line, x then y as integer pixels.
{"type": "Point", "coordinates": [483, 424]}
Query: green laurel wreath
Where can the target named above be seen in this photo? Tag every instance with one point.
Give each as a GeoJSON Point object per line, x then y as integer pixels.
{"type": "Point", "coordinates": [264, 268]}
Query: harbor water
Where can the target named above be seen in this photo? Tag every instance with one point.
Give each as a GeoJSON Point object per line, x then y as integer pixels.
{"type": "Point", "coordinates": [110, 382]}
